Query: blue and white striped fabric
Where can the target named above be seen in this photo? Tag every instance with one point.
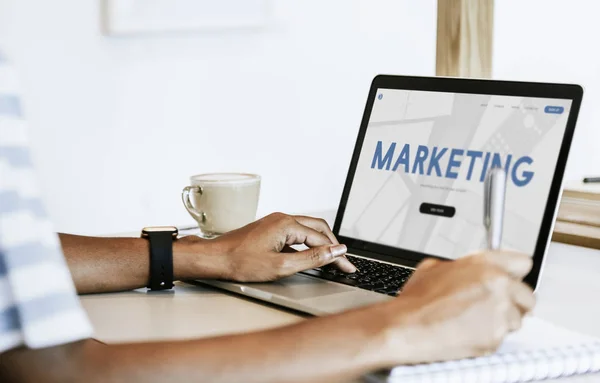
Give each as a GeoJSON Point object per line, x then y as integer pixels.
{"type": "Point", "coordinates": [39, 306]}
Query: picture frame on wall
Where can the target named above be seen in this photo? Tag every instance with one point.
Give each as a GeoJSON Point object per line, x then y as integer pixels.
{"type": "Point", "coordinates": [134, 17]}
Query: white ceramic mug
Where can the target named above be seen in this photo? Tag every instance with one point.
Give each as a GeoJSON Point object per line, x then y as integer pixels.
{"type": "Point", "coordinates": [221, 202]}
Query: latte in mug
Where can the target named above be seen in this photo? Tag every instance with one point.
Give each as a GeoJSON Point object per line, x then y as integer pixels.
{"type": "Point", "coordinates": [221, 202]}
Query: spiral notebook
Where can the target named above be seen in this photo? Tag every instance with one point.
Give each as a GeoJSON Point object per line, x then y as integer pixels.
{"type": "Point", "coordinates": [540, 350]}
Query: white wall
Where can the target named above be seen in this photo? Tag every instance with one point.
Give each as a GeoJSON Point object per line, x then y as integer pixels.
{"type": "Point", "coordinates": [118, 124]}
{"type": "Point", "coordinates": [555, 41]}
{"type": "Point", "coordinates": [285, 102]}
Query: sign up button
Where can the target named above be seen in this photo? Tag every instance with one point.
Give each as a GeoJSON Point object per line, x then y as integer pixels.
{"type": "Point", "coordinates": [554, 109]}
{"type": "Point", "coordinates": [441, 210]}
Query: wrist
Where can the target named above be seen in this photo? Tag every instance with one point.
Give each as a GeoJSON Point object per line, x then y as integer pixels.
{"type": "Point", "coordinates": [366, 337]}
{"type": "Point", "coordinates": [397, 337]}
{"type": "Point", "coordinates": [197, 258]}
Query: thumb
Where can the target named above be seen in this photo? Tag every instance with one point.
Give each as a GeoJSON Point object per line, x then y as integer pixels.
{"type": "Point", "coordinates": [422, 268]}
{"type": "Point", "coordinates": [314, 257]}
{"type": "Point", "coordinates": [427, 264]}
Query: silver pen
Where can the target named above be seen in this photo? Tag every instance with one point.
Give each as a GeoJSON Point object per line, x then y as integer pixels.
{"type": "Point", "coordinates": [494, 191]}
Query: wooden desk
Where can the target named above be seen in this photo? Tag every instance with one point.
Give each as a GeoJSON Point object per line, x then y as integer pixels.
{"type": "Point", "coordinates": [568, 296]}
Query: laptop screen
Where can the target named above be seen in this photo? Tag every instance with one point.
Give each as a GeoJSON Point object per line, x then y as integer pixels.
{"type": "Point", "coordinates": [418, 183]}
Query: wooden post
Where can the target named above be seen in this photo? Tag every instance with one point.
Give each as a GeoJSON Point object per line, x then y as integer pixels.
{"type": "Point", "coordinates": [464, 38]}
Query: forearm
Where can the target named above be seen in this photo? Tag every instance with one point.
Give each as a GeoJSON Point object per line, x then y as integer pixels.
{"type": "Point", "coordinates": [316, 350]}
{"type": "Point", "coordinates": [323, 349]}
{"type": "Point", "coordinates": [100, 264]}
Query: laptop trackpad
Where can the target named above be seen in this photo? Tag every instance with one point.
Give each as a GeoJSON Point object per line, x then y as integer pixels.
{"type": "Point", "coordinates": [301, 287]}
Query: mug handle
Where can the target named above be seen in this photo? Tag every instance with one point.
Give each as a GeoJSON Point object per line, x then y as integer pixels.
{"type": "Point", "coordinates": [185, 197]}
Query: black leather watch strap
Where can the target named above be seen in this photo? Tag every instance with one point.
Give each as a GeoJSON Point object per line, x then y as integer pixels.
{"type": "Point", "coordinates": [161, 260]}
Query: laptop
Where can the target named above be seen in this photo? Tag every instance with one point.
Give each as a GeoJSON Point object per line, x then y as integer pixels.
{"type": "Point", "coordinates": [414, 188]}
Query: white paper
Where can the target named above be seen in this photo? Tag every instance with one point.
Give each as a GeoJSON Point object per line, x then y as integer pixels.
{"type": "Point", "coordinates": [538, 349]}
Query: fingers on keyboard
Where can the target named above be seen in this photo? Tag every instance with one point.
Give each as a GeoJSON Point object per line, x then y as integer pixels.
{"type": "Point", "coordinates": [371, 275]}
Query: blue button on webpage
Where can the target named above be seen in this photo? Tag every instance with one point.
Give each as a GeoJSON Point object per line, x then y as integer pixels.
{"type": "Point", "coordinates": [554, 109]}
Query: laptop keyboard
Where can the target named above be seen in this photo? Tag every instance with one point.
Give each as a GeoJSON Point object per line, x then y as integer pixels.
{"type": "Point", "coordinates": [371, 275]}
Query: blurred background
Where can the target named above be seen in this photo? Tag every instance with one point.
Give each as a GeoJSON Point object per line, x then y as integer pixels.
{"type": "Point", "coordinates": [120, 120]}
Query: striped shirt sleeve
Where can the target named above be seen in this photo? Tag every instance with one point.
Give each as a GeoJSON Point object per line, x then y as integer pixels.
{"type": "Point", "coordinates": [39, 306]}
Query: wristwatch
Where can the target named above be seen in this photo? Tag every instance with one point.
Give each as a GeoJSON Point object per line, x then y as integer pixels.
{"type": "Point", "coordinates": [161, 255]}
